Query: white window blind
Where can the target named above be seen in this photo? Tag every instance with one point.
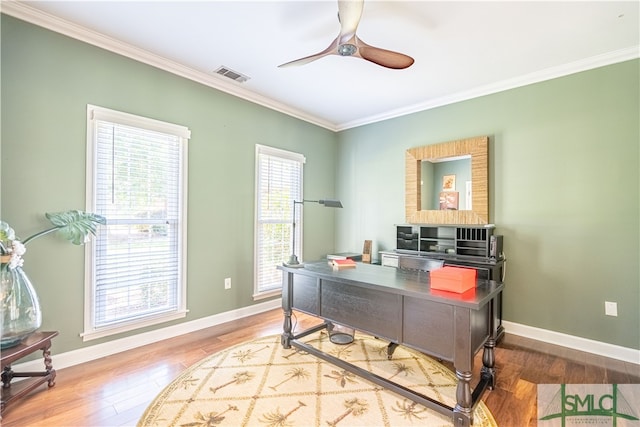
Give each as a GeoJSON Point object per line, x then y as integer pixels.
{"type": "Point", "coordinates": [278, 183]}
{"type": "Point", "coordinates": [136, 270]}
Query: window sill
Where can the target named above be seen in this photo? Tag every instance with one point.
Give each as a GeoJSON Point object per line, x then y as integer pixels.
{"type": "Point", "coordinates": [130, 326]}
{"type": "Point", "coordinates": [268, 294]}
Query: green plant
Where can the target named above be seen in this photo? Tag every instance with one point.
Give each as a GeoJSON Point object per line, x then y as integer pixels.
{"type": "Point", "coordinates": [73, 225]}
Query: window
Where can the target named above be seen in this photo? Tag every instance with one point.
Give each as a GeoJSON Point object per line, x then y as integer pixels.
{"type": "Point", "coordinates": [136, 178]}
{"type": "Point", "coordinates": [278, 184]}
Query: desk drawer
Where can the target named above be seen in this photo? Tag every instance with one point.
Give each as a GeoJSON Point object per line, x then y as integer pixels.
{"type": "Point", "coordinates": [428, 326]}
{"type": "Point", "coordinates": [361, 308]}
{"type": "Point", "coordinates": [389, 260]}
{"type": "Point", "coordinates": [306, 295]}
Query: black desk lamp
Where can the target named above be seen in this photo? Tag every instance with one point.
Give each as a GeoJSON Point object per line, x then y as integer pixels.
{"type": "Point", "coordinates": [328, 203]}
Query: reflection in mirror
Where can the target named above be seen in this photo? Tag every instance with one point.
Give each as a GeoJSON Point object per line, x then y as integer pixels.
{"type": "Point", "coordinates": [451, 176]}
{"type": "Point", "coordinates": [425, 179]}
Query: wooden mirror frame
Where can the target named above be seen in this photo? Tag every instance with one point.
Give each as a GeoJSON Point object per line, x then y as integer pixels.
{"type": "Point", "coordinates": [478, 148]}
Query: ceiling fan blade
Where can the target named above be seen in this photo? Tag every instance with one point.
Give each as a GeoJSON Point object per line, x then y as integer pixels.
{"type": "Point", "coordinates": [383, 57]}
{"type": "Point", "coordinates": [331, 50]}
{"type": "Point", "coordinates": [349, 14]}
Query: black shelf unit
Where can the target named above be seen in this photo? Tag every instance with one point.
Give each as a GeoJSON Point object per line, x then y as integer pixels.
{"type": "Point", "coordinates": [462, 241]}
{"type": "Point", "coordinates": [407, 238]}
{"type": "Point", "coordinates": [473, 241]}
{"type": "Point", "coordinates": [437, 239]}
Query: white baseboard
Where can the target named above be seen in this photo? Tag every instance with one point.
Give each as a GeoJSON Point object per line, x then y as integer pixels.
{"type": "Point", "coordinates": [577, 343]}
{"type": "Point", "coordinates": [87, 354]}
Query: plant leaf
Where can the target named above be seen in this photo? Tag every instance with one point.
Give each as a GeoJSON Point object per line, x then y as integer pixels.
{"type": "Point", "coordinates": [75, 225]}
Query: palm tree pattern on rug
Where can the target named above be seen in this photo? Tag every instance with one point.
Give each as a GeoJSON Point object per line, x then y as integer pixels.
{"type": "Point", "coordinates": [259, 383]}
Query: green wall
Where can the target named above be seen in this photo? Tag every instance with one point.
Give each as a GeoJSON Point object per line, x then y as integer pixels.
{"type": "Point", "coordinates": [564, 187]}
{"type": "Point", "coordinates": [564, 180]}
{"type": "Point", "coordinates": [47, 82]}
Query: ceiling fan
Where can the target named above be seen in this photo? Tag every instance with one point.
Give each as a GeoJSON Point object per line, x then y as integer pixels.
{"type": "Point", "coordinates": [348, 44]}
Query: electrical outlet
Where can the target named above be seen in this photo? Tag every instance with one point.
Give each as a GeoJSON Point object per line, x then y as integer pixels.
{"type": "Point", "coordinates": [227, 283]}
{"type": "Point", "coordinates": [611, 308]}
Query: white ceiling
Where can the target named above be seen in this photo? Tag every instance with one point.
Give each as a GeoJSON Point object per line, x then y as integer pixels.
{"type": "Point", "coordinates": [461, 49]}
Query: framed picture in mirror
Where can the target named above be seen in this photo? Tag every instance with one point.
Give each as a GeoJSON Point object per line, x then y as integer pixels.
{"type": "Point", "coordinates": [449, 183]}
{"type": "Point", "coordinates": [449, 201]}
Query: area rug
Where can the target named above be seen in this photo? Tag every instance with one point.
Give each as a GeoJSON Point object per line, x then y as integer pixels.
{"type": "Point", "coordinates": [259, 383]}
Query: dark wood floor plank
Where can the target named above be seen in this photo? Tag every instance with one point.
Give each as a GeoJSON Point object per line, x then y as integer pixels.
{"type": "Point", "coordinates": [633, 370]}
{"type": "Point", "coordinates": [508, 377]}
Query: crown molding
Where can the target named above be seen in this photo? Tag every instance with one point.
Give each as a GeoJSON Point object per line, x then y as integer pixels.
{"type": "Point", "coordinates": [585, 64]}
{"type": "Point", "coordinates": [22, 11]}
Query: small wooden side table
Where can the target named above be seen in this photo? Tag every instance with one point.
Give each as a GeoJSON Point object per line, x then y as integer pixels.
{"type": "Point", "coordinates": [34, 342]}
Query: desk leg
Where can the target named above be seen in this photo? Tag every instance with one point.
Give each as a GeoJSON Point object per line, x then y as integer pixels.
{"type": "Point", "coordinates": [46, 354]}
{"type": "Point", "coordinates": [7, 376]}
{"type": "Point", "coordinates": [390, 349]}
{"type": "Point", "coordinates": [287, 304]}
{"type": "Point", "coordinates": [285, 338]}
{"type": "Point", "coordinates": [463, 364]}
{"type": "Point", "coordinates": [488, 371]}
{"type": "Point", "coordinates": [462, 413]}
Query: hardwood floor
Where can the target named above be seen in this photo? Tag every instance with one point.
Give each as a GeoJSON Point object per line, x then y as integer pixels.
{"type": "Point", "coordinates": [115, 390]}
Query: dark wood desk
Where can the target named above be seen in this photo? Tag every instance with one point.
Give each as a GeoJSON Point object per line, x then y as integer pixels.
{"type": "Point", "coordinates": [34, 342]}
{"type": "Point", "coordinates": [399, 305]}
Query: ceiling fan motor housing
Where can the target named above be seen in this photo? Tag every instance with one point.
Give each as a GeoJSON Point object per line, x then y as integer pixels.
{"type": "Point", "coordinates": [347, 49]}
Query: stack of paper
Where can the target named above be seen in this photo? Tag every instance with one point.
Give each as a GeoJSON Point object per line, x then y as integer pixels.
{"type": "Point", "coordinates": [340, 264]}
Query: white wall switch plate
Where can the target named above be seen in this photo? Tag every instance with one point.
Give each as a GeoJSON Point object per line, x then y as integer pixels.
{"type": "Point", "coordinates": [610, 308]}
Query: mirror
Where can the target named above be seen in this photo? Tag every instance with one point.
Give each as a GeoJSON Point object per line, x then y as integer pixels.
{"type": "Point", "coordinates": [423, 165]}
{"type": "Point", "coordinates": [446, 184]}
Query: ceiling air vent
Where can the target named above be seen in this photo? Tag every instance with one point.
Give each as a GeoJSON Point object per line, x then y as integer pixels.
{"type": "Point", "coordinates": [233, 75]}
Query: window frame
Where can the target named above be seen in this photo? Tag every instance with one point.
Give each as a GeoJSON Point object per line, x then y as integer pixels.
{"type": "Point", "coordinates": [259, 293]}
{"type": "Point", "coordinates": [95, 114]}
